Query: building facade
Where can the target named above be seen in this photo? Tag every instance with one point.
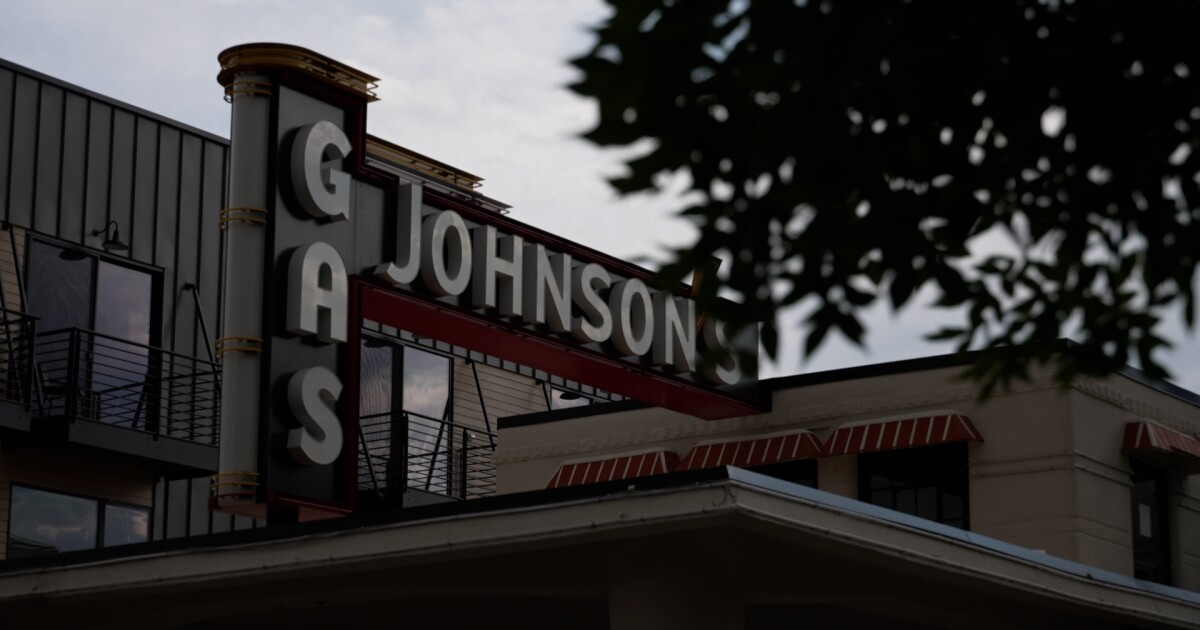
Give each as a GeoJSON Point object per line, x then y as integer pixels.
{"type": "Point", "coordinates": [313, 375]}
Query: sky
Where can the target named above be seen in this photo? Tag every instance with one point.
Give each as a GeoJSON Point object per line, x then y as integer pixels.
{"type": "Point", "coordinates": [478, 84]}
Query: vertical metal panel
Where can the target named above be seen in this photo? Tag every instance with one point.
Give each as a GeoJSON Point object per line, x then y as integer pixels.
{"type": "Point", "coordinates": [49, 163]}
{"type": "Point", "coordinates": [199, 514]}
{"type": "Point", "coordinates": [141, 233]}
{"type": "Point", "coordinates": [121, 157]}
{"type": "Point", "coordinates": [374, 210]}
{"type": "Point", "coordinates": [209, 234]}
{"type": "Point", "coordinates": [24, 152]}
{"type": "Point", "coordinates": [74, 168]}
{"type": "Point", "coordinates": [166, 231]}
{"type": "Point", "coordinates": [177, 508]}
{"type": "Point", "coordinates": [221, 522]}
{"type": "Point", "coordinates": [95, 206]}
{"type": "Point", "coordinates": [157, 516]}
{"type": "Point", "coordinates": [187, 253]}
{"type": "Point", "coordinates": [243, 522]}
{"type": "Point", "coordinates": [7, 78]}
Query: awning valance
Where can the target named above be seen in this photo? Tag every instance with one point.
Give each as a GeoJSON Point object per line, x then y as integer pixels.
{"type": "Point", "coordinates": [767, 449]}
{"type": "Point", "coordinates": [885, 435]}
{"type": "Point", "coordinates": [1143, 435]}
{"type": "Point", "coordinates": [577, 473]}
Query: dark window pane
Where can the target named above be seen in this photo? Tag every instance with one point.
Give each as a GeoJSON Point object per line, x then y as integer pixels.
{"type": "Point", "coordinates": [123, 310]}
{"type": "Point", "coordinates": [426, 382]}
{"type": "Point", "coordinates": [427, 392]}
{"type": "Point", "coordinates": [47, 522]}
{"type": "Point", "coordinates": [1151, 535]}
{"type": "Point", "coordinates": [59, 287]}
{"type": "Point", "coordinates": [929, 482]}
{"type": "Point", "coordinates": [952, 507]}
{"type": "Point", "coordinates": [375, 382]}
{"type": "Point", "coordinates": [125, 525]}
{"type": "Point", "coordinates": [375, 406]}
{"type": "Point", "coordinates": [123, 302]}
{"type": "Point", "coordinates": [927, 503]}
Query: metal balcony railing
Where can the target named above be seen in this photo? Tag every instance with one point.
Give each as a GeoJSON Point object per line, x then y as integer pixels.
{"type": "Point", "coordinates": [440, 457]}
{"type": "Point", "coordinates": [92, 377]}
{"type": "Point", "coordinates": [16, 357]}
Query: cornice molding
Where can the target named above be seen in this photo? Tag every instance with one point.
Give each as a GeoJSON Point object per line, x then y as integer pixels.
{"type": "Point", "coordinates": [804, 417]}
{"type": "Point", "coordinates": [794, 418]}
{"type": "Point", "coordinates": [259, 57]}
{"type": "Point", "coordinates": [1136, 405]}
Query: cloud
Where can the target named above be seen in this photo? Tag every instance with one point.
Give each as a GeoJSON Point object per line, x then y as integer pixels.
{"type": "Point", "coordinates": [477, 84]}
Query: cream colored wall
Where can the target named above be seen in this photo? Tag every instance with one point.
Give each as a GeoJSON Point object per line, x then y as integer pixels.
{"type": "Point", "coordinates": [1186, 535]}
{"type": "Point", "coordinates": [74, 471]}
{"type": "Point", "coordinates": [8, 266]}
{"type": "Point", "coordinates": [1049, 475]}
{"type": "Point", "coordinates": [504, 393]}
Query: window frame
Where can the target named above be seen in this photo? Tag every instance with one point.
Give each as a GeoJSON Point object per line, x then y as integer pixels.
{"type": "Point", "coordinates": [397, 407]}
{"type": "Point", "coordinates": [102, 506]}
{"type": "Point", "coordinates": [952, 453]}
{"type": "Point", "coordinates": [156, 280]}
{"type": "Point", "coordinates": [1158, 546]}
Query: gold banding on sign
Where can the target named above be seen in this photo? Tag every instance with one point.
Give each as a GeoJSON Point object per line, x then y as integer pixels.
{"type": "Point", "coordinates": [251, 345]}
{"type": "Point", "coordinates": [237, 484]}
{"type": "Point", "coordinates": [243, 214]}
{"type": "Point", "coordinates": [243, 86]}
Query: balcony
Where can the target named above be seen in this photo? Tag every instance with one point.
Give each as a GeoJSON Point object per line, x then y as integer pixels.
{"type": "Point", "coordinates": [16, 369]}
{"type": "Point", "coordinates": [442, 461]}
{"type": "Point", "coordinates": [102, 391]}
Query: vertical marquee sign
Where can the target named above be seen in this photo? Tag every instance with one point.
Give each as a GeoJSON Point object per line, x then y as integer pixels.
{"type": "Point", "coordinates": [317, 239]}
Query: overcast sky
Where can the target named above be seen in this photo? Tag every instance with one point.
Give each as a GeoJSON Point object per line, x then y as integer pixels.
{"type": "Point", "coordinates": [477, 84]}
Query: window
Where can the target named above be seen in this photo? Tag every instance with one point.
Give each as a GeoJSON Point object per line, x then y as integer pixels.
{"type": "Point", "coordinates": [42, 522]}
{"type": "Point", "coordinates": [405, 398]}
{"type": "Point", "coordinates": [929, 482]}
{"type": "Point", "coordinates": [71, 289]}
{"type": "Point", "coordinates": [1151, 532]}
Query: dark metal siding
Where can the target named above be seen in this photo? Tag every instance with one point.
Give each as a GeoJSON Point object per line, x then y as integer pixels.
{"type": "Point", "coordinates": [72, 160]}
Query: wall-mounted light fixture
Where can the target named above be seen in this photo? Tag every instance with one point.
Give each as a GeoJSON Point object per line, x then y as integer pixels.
{"type": "Point", "coordinates": [111, 243]}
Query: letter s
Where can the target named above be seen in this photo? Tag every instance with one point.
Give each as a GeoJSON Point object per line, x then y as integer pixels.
{"type": "Point", "coordinates": [312, 395]}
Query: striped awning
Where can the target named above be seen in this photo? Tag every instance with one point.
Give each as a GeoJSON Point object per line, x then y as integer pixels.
{"type": "Point", "coordinates": [929, 429]}
{"type": "Point", "coordinates": [577, 473]}
{"type": "Point", "coordinates": [1143, 435]}
{"type": "Point", "coordinates": [767, 449]}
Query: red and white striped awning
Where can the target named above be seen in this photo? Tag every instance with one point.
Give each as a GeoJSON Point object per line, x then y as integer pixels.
{"type": "Point", "coordinates": [767, 449]}
{"type": "Point", "coordinates": [939, 427]}
{"type": "Point", "coordinates": [1143, 435]}
{"type": "Point", "coordinates": [642, 464]}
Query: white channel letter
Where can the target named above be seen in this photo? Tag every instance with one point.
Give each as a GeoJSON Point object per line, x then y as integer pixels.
{"type": "Point", "coordinates": [496, 281]}
{"type": "Point", "coordinates": [312, 395]}
{"type": "Point", "coordinates": [547, 288]}
{"type": "Point", "coordinates": [674, 332]}
{"type": "Point", "coordinates": [445, 253]}
{"type": "Point", "coordinates": [633, 317]}
{"type": "Point", "coordinates": [322, 189]}
{"type": "Point", "coordinates": [727, 371]}
{"type": "Point", "coordinates": [586, 283]}
{"type": "Point", "coordinates": [407, 265]}
{"type": "Point", "coordinates": [317, 293]}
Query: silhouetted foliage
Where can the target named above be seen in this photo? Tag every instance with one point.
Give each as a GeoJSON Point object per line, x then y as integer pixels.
{"type": "Point", "coordinates": [1031, 161]}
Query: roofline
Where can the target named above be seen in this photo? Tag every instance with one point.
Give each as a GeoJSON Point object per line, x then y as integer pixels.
{"type": "Point", "coordinates": [888, 368]}
{"type": "Point", "coordinates": [730, 497]}
{"type": "Point", "coordinates": [144, 113]}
